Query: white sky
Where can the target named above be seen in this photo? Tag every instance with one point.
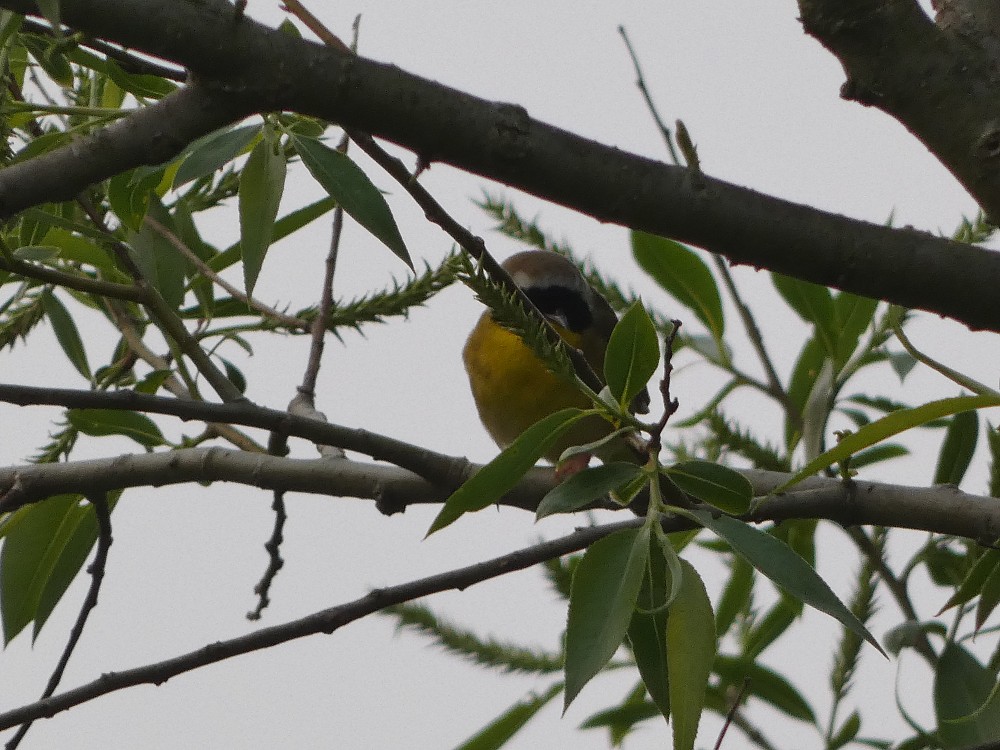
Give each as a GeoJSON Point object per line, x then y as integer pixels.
{"type": "Point", "coordinates": [761, 101]}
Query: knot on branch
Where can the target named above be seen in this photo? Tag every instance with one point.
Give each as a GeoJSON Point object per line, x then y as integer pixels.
{"type": "Point", "coordinates": [513, 126]}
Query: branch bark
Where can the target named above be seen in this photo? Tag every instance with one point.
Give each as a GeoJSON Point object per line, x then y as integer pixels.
{"type": "Point", "coordinates": [240, 67]}
{"type": "Point", "coordinates": [941, 84]}
{"type": "Point", "coordinates": [943, 509]}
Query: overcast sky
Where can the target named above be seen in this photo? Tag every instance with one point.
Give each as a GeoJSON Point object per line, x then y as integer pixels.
{"type": "Point", "coordinates": [761, 101]}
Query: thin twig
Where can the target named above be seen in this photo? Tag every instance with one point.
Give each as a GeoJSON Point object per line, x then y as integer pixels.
{"type": "Point", "coordinates": [325, 621]}
{"type": "Point", "coordinates": [670, 404]}
{"type": "Point", "coordinates": [99, 502]}
{"type": "Point", "coordinates": [640, 82]}
{"type": "Point", "coordinates": [776, 390]}
{"type": "Point", "coordinates": [274, 560]}
{"type": "Point", "coordinates": [732, 712]}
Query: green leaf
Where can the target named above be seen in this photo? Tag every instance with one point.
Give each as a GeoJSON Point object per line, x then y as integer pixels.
{"type": "Point", "coordinates": [814, 304]}
{"type": "Point", "coordinates": [902, 363]}
{"type": "Point", "coordinates": [974, 580]}
{"type": "Point", "coordinates": [66, 333]}
{"type": "Point", "coordinates": [41, 555]}
{"type": "Point", "coordinates": [622, 717]}
{"type": "Point", "coordinates": [79, 249]}
{"type": "Point", "coordinates": [213, 151]}
{"type": "Point", "coordinates": [586, 487]}
{"type": "Point", "coordinates": [354, 192]}
{"type": "Point", "coordinates": [496, 734]}
{"type": "Point", "coordinates": [262, 182]}
{"type": "Point", "coordinates": [736, 595]}
{"type": "Point", "coordinates": [140, 84]}
{"type": "Point", "coordinates": [100, 422]}
{"type": "Point", "coordinates": [632, 356]}
{"type": "Point", "coordinates": [957, 449]}
{"type": "Point", "coordinates": [691, 651]}
{"type": "Point", "coordinates": [286, 225]}
{"type": "Point", "coordinates": [128, 194]}
{"type": "Point", "coordinates": [764, 684]}
{"type": "Point", "coordinates": [770, 627]}
{"type": "Point", "coordinates": [714, 484]}
{"type": "Point", "coordinates": [781, 564]}
{"type": "Point", "coordinates": [993, 442]}
{"type": "Point", "coordinates": [647, 631]}
{"type": "Point", "coordinates": [847, 732]}
{"type": "Point", "coordinates": [889, 425]}
{"type": "Point", "coordinates": [605, 588]}
{"type": "Point", "coordinates": [156, 256]}
{"type": "Point", "coordinates": [804, 375]}
{"type": "Point", "coordinates": [683, 275]}
{"type": "Point", "coordinates": [988, 598]}
{"type": "Point", "coordinates": [492, 481]}
{"type": "Point", "coordinates": [853, 315]}
{"type": "Point", "coordinates": [79, 532]}
{"type": "Point", "coordinates": [961, 688]}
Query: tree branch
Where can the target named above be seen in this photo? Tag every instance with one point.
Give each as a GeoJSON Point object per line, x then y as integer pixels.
{"type": "Point", "coordinates": [943, 509]}
{"type": "Point", "coordinates": [434, 467]}
{"type": "Point", "coordinates": [897, 60]}
{"type": "Point", "coordinates": [325, 621]}
{"type": "Point", "coordinates": [240, 67]}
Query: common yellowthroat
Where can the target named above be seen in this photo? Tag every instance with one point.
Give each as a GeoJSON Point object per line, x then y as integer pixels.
{"type": "Point", "coordinates": [512, 387]}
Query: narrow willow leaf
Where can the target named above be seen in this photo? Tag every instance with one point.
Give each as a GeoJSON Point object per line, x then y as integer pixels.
{"type": "Point", "coordinates": [682, 274]}
{"type": "Point", "coordinates": [156, 256]}
{"type": "Point", "coordinates": [66, 333]}
{"type": "Point", "coordinates": [605, 588]}
{"type": "Point", "coordinates": [586, 487]}
{"type": "Point", "coordinates": [714, 484]}
{"type": "Point", "coordinates": [691, 651]}
{"type": "Point", "coordinates": [213, 151]}
{"type": "Point", "coordinates": [77, 536]}
{"type": "Point", "coordinates": [490, 483]}
{"type": "Point", "coordinates": [814, 304]}
{"type": "Point", "coordinates": [647, 631]}
{"type": "Point", "coordinates": [632, 356]}
{"type": "Point", "coordinates": [988, 598]}
{"type": "Point", "coordinates": [963, 687]}
{"type": "Point", "coordinates": [804, 374]}
{"type": "Point", "coordinates": [853, 314]}
{"type": "Point", "coordinates": [354, 192]}
{"type": "Point", "coordinates": [889, 425]}
{"type": "Point", "coordinates": [736, 595]}
{"type": "Point", "coordinates": [30, 552]}
{"type": "Point", "coordinates": [781, 564]}
{"type": "Point", "coordinates": [100, 422]}
{"type": "Point", "coordinates": [847, 732]}
{"type": "Point", "coordinates": [621, 718]}
{"type": "Point", "coordinates": [262, 182]}
{"type": "Point", "coordinates": [496, 734]}
{"type": "Point", "coordinates": [769, 628]}
{"type": "Point", "coordinates": [957, 449]}
{"type": "Point", "coordinates": [764, 684]}
{"type": "Point", "coordinates": [974, 580]}
{"type": "Point", "coordinates": [993, 442]}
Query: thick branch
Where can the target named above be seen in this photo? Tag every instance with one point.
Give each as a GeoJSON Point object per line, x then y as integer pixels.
{"type": "Point", "coordinates": [943, 509]}
{"type": "Point", "coordinates": [241, 67]}
{"type": "Point", "coordinates": [941, 86]}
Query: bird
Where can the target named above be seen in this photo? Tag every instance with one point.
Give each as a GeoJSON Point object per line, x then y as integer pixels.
{"type": "Point", "coordinates": [513, 389]}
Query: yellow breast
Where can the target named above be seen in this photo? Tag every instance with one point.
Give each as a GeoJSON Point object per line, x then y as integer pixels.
{"type": "Point", "coordinates": [513, 389]}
